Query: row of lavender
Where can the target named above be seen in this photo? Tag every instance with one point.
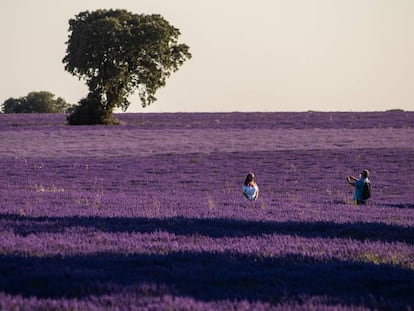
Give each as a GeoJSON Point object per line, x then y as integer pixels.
{"type": "Point", "coordinates": [151, 217]}
{"type": "Point", "coordinates": [235, 120]}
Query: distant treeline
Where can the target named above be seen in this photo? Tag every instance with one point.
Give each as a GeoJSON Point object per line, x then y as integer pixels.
{"type": "Point", "coordinates": [36, 102]}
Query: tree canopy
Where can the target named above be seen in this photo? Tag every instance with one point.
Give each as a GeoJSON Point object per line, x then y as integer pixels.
{"type": "Point", "coordinates": [36, 102]}
{"type": "Point", "coordinates": [118, 53]}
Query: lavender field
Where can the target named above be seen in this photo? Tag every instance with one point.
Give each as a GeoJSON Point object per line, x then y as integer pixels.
{"type": "Point", "coordinates": [149, 215]}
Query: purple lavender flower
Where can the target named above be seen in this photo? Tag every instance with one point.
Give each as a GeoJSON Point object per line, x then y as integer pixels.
{"type": "Point", "coordinates": [149, 215]}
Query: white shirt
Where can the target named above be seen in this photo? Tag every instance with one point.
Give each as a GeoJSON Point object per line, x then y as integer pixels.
{"type": "Point", "coordinates": [251, 192]}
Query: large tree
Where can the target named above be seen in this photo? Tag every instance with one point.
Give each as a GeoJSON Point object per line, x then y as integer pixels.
{"type": "Point", "coordinates": [36, 102]}
{"type": "Point", "coordinates": [118, 53]}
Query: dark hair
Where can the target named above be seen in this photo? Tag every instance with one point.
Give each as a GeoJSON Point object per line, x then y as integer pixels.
{"type": "Point", "coordinates": [365, 173]}
{"type": "Point", "coordinates": [249, 178]}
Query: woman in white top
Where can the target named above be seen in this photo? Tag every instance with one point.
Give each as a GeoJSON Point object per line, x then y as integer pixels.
{"type": "Point", "coordinates": [250, 189]}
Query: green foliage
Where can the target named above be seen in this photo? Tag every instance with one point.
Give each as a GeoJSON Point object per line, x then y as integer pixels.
{"type": "Point", "coordinates": [36, 102]}
{"type": "Point", "coordinates": [90, 112]}
{"type": "Point", "coordinates": [118, 53]}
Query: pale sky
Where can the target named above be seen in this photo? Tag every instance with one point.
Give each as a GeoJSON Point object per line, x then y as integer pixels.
{"type": "Point", "coordinates": [262, 55]}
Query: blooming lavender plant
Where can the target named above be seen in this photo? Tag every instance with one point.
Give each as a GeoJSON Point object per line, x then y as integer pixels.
{"type": "Point", "coordinates": [149, 215]}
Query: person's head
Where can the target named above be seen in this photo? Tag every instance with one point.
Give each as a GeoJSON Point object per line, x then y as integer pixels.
{"type": "Point", "coordinates": [249, 179]}
{"type": "Point", "coordinates": [365, 173]}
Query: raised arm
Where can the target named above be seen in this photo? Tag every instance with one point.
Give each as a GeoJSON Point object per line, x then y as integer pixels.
{"type": "Point", "coordinates": [351, 180]}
